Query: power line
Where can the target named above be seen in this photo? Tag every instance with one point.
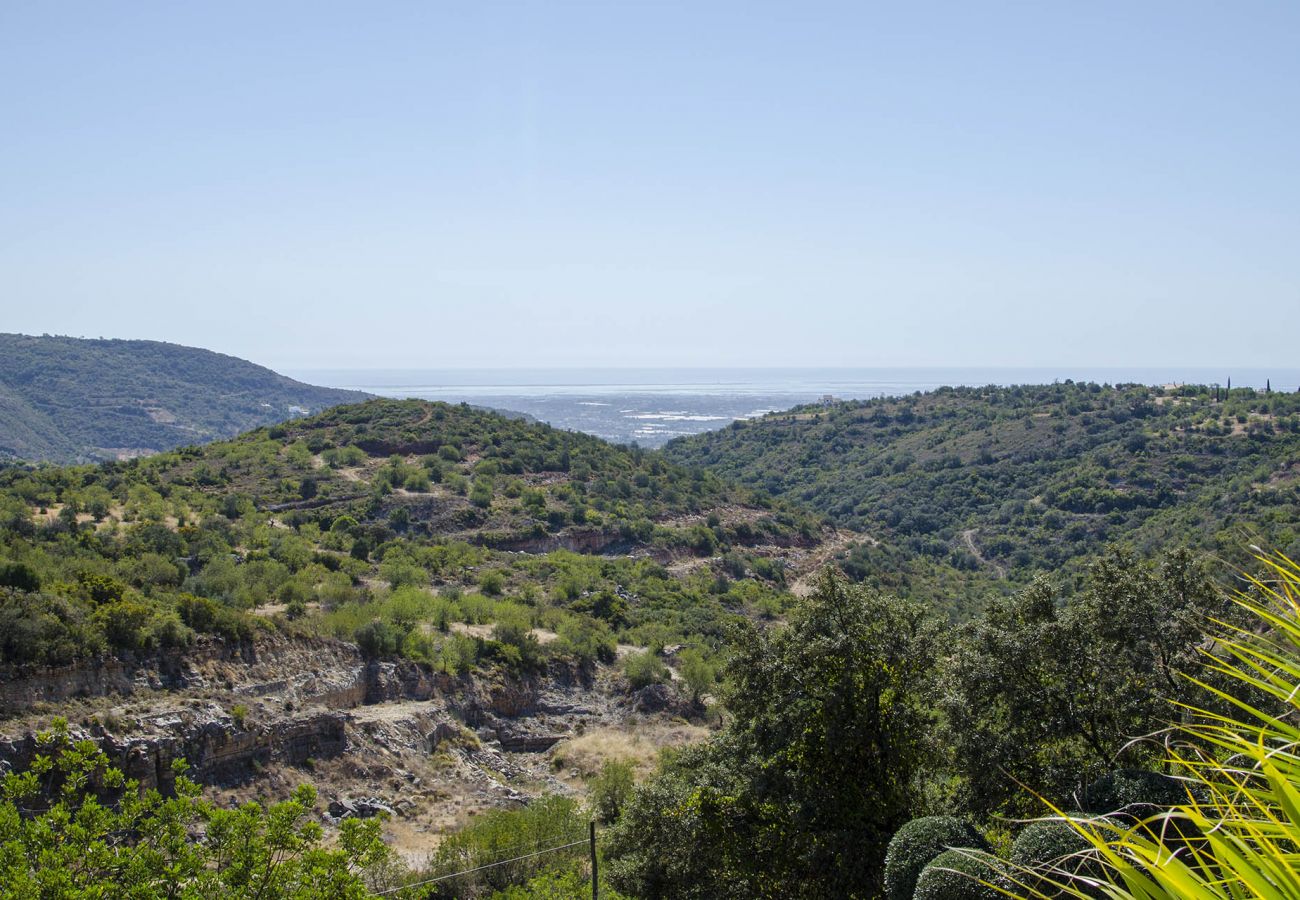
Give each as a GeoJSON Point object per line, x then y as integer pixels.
{"type": "Point", "coordinates": [493, 865]}
{"type": "Point", "coordinates": [535, 843]}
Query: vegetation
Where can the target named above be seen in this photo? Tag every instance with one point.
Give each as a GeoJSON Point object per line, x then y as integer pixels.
{"type": "Point", "coordinates": [862, 733]}
{"type": "Point", "coordinates": [69, 399]}
{"type": "Point", "coordinates": [101, 836]}
{"type": "Point", "coordinates": [864, 714]}
{"type": "Point", "coordinates": [1234, 833]}
{"type": "Point", "coordinates": [917, 844]}
{"type": "Point", "coordinates": [967, 493]}
{"type": "Point", "coordinates": [145, 556]}
{"type": "Point", "coordinates": [1051, 692]}
{"type": "Point", "coordinates": [815, 770]}
{"type": "Point", "coordinates": [505, 834]}
{"type": "Point", "coordinates": [955, 875]}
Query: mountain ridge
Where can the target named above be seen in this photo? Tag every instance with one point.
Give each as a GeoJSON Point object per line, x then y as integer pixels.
{"type": "Point", "coordinates": [66, 399]}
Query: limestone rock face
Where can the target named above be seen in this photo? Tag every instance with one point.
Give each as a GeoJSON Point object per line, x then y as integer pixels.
{"type": "Point", "coordinates": [206, 737]}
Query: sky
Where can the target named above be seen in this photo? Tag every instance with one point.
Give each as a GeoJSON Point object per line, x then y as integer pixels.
{"type": "Point", "coordinates": [437, 185]}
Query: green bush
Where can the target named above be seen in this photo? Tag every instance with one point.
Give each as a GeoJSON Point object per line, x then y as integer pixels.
{"type": "Point", "coordinates": [954, 875]}
{"type": "Point", "coordinates": [611, 788]}
{"type": "Point", "coordinates": [378, 639]}
{"type": "Point", "coordinates": [44, 629]}
{"type": "Point", "coordinates": [1053, 852]}
{"type": "Point", "coordinates": [587, 641]}
{"type": "Point", "coordinates": [519, 638]}
{"type": "Point", "coordinates": [916, 844]}
{"type": "Point", "coordinates": [492, 583]}
{"type": "Point", "coordinates": [1125, 789]}
{"type": "Point", "coordinates": [417, 482]}
{"type": "Point", "coordinates": [125, 624]}
{"type": "Point", "coordinates": [19, 576]}
{"type": "Point", "coordinates": [644, 669]}
{"type": "Point", "coordinates": [211, 617]}
{"type": "Point", "coordinates": [99, 834]}
{"type": "Point", "coordinates": [499, 834]}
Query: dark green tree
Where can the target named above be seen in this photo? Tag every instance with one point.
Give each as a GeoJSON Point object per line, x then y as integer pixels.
{"type": "Point", "coordinates": [830, 728]}
{"type": "Point", "coordinates": [1046, 694]}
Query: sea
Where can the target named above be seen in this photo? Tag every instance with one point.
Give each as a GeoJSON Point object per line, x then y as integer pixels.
{"type": "Point", "coordinates": [650, 407]}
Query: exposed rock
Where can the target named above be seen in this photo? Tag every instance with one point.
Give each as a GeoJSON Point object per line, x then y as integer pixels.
{"type": "Point", "coordinates": [655, 698]}
{"type": "Point", "coordinates": [444, 732]}
{"type": "Point", "coordinates": [301, 670]}
{"type": "Point", "coordinates": [519, 741]}
{"type": "Point", "coordinates": [207, 738]}
{"type": "Point", "coordinates": [359, 726]}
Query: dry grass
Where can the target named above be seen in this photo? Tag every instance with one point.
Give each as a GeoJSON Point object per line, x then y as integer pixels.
{"type": "Point", "coordinates": [587, 753]}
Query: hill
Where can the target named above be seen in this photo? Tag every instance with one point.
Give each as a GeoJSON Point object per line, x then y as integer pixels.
{"type": "Point", "coordinates": [964, 491]}
{"type": "Point", "coordinates": [334, 511]}
{"type": "Point", "coordinates": [66, 399]}
{"type": "Point", "coordinates": [441, 592]}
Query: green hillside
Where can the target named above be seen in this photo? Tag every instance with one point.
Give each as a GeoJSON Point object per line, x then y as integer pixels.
{"type": "Point", "coordinates": [67, 399]}
{"type": "Point", "coordinates": [380, 519]}
{"type": "Point", "coordinates": [976, 489]}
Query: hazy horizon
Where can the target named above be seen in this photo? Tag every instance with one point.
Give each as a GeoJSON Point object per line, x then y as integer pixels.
{"type": "Point", "coordinates": [651, 406]}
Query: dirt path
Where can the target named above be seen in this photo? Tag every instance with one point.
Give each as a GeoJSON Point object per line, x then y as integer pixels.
{"type": "Point", "coordinates": [811, 568]}
{"type": "Point", "coordinates": [683, 567]}
{"type": "Point", "coordinates": [968, 538]}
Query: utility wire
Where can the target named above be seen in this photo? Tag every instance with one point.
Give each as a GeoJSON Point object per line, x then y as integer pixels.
{"type": "Point", "coordinates": [493, 865]}
{"type": "Point", "coordinates": [536, 843]}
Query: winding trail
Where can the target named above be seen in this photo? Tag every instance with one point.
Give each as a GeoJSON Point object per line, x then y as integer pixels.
{"type": "Point", "coordinates": [968, 537]}
{"type": "Point", "coordinates": [803, 585]}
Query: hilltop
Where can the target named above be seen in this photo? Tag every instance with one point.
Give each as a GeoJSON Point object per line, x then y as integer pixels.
{"type": "Point", "coordinates": [65, 399]}
{"type": "Point", "coordinates": [964, 491]}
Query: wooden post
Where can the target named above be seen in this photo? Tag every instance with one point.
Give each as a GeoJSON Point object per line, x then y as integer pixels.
{"type": "Point", "coordinates": [595, 873]}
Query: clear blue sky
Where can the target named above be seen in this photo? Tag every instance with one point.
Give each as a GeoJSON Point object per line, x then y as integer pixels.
{"type": "Point", "coordinates": [486, 184]}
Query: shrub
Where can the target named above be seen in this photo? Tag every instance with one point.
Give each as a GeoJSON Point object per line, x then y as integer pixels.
{"type": "Point", "coordinates": [587, 640]}
{"type": "Point", "coordinates": [1045, 842]}
{"type": "Point", "coordinates": [497, 835]}
{"type": "Point", "coordinates": [492, 583]}
{"type": "Point", "coordinates": [954, 875]}
{"type": "Point", "coordinates": [19, 576]}
{"type": "Point", "coordinates": [211, 617]}
{"type": "Point", "coordinates": [417, 482]}
{"type": "Point", "coordinates": [611, 788]}
{"type": "Point", "coordinates": [1125, 789]}
{"type": "Point", "coordinates": [1050, 853]}
{"type": "Point", "coordinates": [100, 834]}
{"type": "Point", "coordinates": [39, 628]}
{"type": "Point", "coordinates": [124, 623]}
{"type": "Point", "coordinates": [697, 672]}
{"type": "Point", "coordinates": [916, 844]}
{"type": "Point", "coordinates": [377, 639]}
{"type": "Point", "coordinates": [481, 494]}
{"type": "Point", "coordinates": [644, 669]}
{"type": "Point", "coordinates": [170, 632]}
{"type": "Point", "coordinates": [514, 635]}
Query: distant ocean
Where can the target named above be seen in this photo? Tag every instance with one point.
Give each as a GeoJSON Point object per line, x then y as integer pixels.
{"type": "Point", "coordinates": [652, 406]}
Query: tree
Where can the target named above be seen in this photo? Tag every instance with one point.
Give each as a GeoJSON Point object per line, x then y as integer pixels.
{"type": "Point", "coordinates": [830, 727]}
{"type": "Point", "coordinates": [102, 836]}
{"type": "Point", "coordinates": [1046, 694]}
